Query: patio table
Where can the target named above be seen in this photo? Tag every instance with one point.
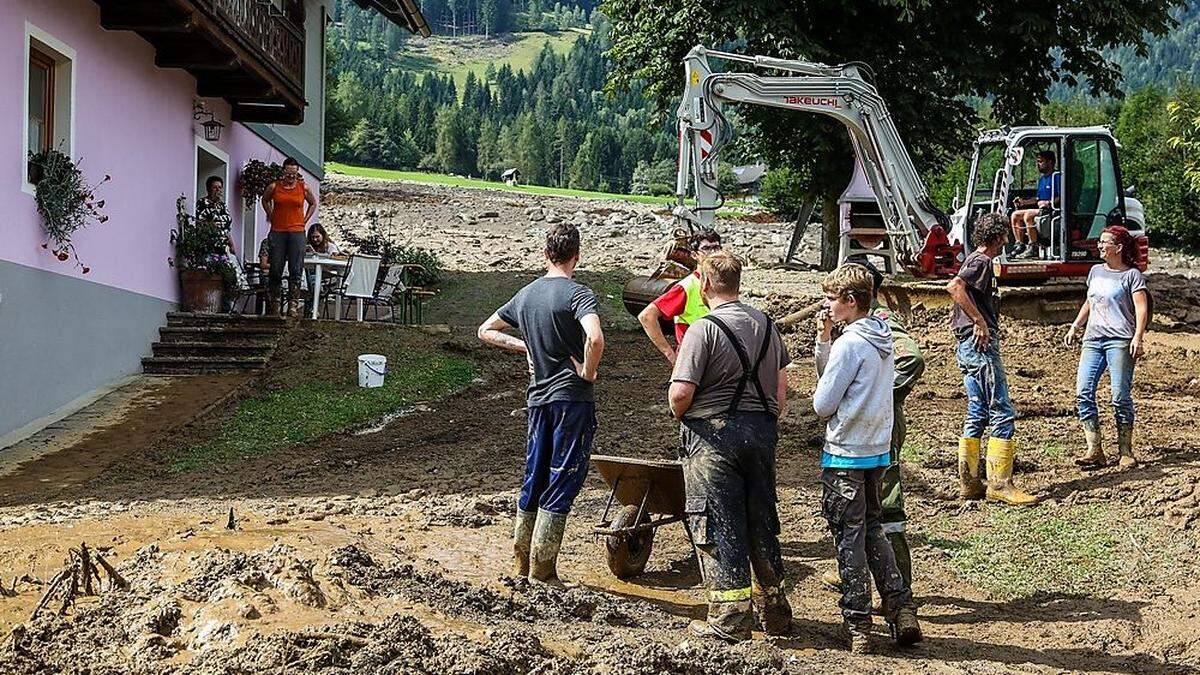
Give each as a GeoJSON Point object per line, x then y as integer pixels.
{"type": "Point", "coordinates": [320, 262]}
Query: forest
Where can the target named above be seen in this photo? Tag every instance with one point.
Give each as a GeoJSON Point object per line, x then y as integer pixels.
{"type": "Point", "coordinates": [575, 120]}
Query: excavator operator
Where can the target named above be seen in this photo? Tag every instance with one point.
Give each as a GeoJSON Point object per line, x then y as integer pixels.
{"type": "Point", "coordinates": [1024, 219]}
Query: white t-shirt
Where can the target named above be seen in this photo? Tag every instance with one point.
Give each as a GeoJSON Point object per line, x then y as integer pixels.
{"type": "Point", "coordinates": [1110, 293]}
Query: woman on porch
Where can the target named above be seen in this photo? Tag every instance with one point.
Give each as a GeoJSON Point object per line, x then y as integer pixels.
{"type": "Point", "coordinates": [289, 204]}
{"type": "Point", "coordinates": [211, 209]}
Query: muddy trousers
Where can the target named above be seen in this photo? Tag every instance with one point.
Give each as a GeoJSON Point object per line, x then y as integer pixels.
{"type": "Point", "coordinates": [892, 515]}
{"type": "Point", "coordinates": [557, 449]}
{"type": "Point", "coordinates": [286, 248]}
{"type": "Point", "coordinates": [850, 501]}
{"type": "Point", "coordinates": [729, 483]}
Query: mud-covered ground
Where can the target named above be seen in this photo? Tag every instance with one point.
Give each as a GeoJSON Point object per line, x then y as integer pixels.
{"type": "Point", "coordinates": [388, 551]}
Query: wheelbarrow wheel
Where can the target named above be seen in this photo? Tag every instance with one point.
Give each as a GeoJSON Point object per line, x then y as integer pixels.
{"type": "Point", "coordinates": [627, 553]}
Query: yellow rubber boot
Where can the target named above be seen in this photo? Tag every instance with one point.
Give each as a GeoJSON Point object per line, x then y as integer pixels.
{"type": "Point", "coordinates": [1000, 487]}
{"type": "Point", "coordinates": [968, 468]}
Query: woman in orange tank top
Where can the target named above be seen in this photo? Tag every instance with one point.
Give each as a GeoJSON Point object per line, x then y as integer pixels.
{"type": "Point", "coordinates": [289, 204]}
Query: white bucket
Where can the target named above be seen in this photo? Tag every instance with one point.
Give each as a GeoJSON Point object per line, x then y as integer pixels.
{"type": "Point", "coordinates": [371, 368]}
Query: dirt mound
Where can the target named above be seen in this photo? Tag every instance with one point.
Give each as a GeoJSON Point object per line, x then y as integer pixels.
{"type": "Point", "coordinates": [206, 603]}
{"type": "Point", "coordinates": [522, 601]}
{"type": "Point", "coordinates": [1176, 300]}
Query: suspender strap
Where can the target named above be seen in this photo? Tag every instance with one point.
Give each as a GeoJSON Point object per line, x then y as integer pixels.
{"type": "Point", "coordinates": [749, 372]}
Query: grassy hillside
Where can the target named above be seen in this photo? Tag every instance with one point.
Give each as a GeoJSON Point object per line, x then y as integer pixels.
{"type": "Point", "coordinates": [460, 181]}
{"type": "Point", "coordinates": [461, 55]}
{"type": "Point", "coordinates": [734, 208]}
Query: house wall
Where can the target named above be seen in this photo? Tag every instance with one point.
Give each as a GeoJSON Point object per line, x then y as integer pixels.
{"type": "Point", "coordinates": [62, 332]}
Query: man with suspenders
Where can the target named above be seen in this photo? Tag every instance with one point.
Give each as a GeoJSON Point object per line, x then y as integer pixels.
{"type": "Point", "coordinates": [728, 390]}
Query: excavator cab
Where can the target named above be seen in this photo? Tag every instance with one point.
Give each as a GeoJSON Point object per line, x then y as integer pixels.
{"type": "Point", "coordinates": [1004, 170]}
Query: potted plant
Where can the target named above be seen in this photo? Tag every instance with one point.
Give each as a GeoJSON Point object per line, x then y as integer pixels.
{"type": "Point", "coordinates": [65, 201]}
{"type": "Point", "coordinates": [255, 178]}
{"type": "Point", "coordinates": [204, 269]}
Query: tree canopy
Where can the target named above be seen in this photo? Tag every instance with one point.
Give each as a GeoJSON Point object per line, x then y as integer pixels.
{"type": "Point", "coordinates": [927, 57]}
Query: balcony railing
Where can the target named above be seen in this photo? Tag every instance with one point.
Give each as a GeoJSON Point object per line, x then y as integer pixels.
{"type": "Point", "coordinates": [249, 52]}
{"type": "Point", "coordinates": [263, 28]}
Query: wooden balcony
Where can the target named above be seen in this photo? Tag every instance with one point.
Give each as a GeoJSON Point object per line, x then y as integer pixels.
{"type": "Point", "coordinates": [247, 52]}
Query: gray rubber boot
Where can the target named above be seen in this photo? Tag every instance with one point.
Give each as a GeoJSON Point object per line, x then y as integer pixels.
{"type": "Point", "coordinates": [547, 540]}
{"type": "Point", "coordinates": [1125, 456]}
{"type": "Point", "coordinates": [1095, 450]}
{"type": "Point", "coordinates": [522, 537]}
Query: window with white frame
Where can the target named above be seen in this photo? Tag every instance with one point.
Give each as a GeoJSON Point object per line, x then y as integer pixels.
{"type": "Point", "coordinates": [49, 97]}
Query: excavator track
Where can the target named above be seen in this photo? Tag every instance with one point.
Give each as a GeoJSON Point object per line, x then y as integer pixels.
{"type": "Point", "coordinates": [1052, 302]}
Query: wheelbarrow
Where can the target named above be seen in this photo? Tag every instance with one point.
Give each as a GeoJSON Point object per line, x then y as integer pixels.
{"type": "Point", "coordinates": [645, 495]}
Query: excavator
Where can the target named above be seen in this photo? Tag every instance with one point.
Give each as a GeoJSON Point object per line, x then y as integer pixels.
{"type": "Point", "coordinates": [908, 228]}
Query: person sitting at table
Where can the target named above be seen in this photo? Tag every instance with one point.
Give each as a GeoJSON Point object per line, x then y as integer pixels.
{"type": "Point", "coordinates": [319, 243]}
{"type": "Point", "coordinates": [264, 255]}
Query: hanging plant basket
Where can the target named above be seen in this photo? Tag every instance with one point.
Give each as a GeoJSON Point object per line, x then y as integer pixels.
{"type": "Point", "coordinates": [255, 178]}
{"type": "Point", "coordinates": [65, 202]}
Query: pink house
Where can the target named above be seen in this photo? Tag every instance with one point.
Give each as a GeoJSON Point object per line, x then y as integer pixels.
{"type": "Point", "coordinates": [117, 83]}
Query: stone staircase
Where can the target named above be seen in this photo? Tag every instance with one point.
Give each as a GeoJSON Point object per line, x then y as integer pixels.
{"type": "Point", "coordinates": [196, 344]}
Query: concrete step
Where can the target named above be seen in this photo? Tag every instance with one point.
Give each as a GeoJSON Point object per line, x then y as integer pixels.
{"type": "Point", "coordinates": [211, 349]}
{"type": "Point", "coordinates": [241, 334]}
{"type": "Point", "coordinates": [202, 319]}
{"type": "Point", "coordinates": [190, 365]}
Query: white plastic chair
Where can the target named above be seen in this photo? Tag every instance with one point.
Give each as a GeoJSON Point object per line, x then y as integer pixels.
{"type": "Point", "coordinates": [359, 282]}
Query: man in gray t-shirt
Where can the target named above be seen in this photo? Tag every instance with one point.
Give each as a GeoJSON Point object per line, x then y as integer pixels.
{"type": "Point", "coordinates": [549, 313]}
{"type": "Point", "coordinates": [562, 342]}
{"type": "Point", "coordinates": [728, 389]}
{"type": "Point", "coordinates": [713, 365]}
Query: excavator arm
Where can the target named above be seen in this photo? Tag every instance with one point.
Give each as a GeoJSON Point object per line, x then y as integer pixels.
{"type": "Point", "coordinates": [916, 227]}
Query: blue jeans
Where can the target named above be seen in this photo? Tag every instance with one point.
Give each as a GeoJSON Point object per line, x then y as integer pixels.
{"type": "Point", "coordinates": [556, 455]}
{"type": "Point", "coordinates": [1098, 355]}
{"type": "Point", "coordinates": [988, 404]}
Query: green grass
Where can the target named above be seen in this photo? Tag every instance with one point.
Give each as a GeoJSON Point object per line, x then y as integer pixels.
{"type": "Point", "coordinates": [609, 288]}
{"type": "Point", "coordinates": [1054, 450]}
{"type": "Point", "coordinates": [520, 54]}
{"type": "Point", "coordinates": [915, 452]}
{"type": "Point", "coordinates": [458, 56]}
{"type": "Point", "coordinates": [317, 407]}
{"type": "Point", "coordinates": [739, 207]}
{"type": "Point", "coordinates": [460, 181]}
{"type": "Point", "coordinates": [1017, 553]}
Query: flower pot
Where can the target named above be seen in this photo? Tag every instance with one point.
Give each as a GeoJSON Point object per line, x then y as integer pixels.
{"type": "Point", "coordinates": [201, 291]}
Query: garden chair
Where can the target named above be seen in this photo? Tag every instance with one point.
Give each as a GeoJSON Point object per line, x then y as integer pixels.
{"type": "Point", "coordinates": [413, 297]}
{"type": "Point", "coordinates": [359, 281]}
{"type": "Point", "coordinates": [252, 286]}
{"type": "Point", "coordinates": [391, 287]}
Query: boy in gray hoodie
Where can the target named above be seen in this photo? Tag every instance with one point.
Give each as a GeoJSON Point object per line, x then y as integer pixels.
{"type": "Point", "coordinates": [854, 393]}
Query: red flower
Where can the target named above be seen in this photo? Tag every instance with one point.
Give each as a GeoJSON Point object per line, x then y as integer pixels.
{"type": "Point", "coordinates": [62, 255]}
{"type": "Point", "coordinates": [86, 270]}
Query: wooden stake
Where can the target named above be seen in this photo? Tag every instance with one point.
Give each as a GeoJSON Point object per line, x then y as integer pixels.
{"type": "Point", "coordinates": [114, 577]}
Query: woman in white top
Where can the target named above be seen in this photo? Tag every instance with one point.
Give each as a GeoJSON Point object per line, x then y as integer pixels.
{"type": "Point", "coordinates": [319, 241]}
{"type": "Point", "coordinates": [1116, 313]}
{"type": "Point", "coordinates": [320, 244]}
